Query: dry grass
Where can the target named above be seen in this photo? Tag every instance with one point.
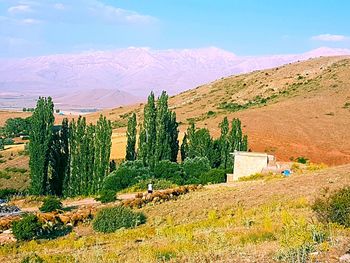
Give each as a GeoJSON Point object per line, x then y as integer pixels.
{"type": "Point", "coordinates": [295, 123]}
{"type": "Point", "coordinates": [242, 222]}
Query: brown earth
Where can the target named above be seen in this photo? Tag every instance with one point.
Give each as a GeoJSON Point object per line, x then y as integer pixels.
{"type": "Point", "coordinates": [307, 112]}
{"type": "Point", "coordinates": [308, 115]}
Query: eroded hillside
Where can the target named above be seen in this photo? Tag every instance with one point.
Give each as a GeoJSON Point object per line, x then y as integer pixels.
{"type": "Point", "coordinates": [299, 109]}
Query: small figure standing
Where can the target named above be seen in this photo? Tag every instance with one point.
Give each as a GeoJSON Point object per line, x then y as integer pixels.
{"type": "Point", "coordinates": [150, 188]}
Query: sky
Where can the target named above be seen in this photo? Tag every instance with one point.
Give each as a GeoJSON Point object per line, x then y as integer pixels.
{"type": "Point", "coordinates": [244, 27]}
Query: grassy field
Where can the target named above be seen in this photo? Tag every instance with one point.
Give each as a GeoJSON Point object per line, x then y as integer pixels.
{"type": "Point", "coordinates": [254, 221]}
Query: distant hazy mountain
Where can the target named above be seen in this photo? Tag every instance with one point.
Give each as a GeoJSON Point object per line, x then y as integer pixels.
{"type": "Point", "coordinates": [112, 78]}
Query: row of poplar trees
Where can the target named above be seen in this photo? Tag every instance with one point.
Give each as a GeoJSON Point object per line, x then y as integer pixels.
{"type": "Point", "coordinates": [70, 159]}
{"type": "Point", "coordinates": [158, 137]}
{"type": "Point", "coordinates": [198, 142]}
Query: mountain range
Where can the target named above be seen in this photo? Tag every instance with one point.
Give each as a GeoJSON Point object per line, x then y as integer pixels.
{"type": "Point", "coordinates": [106, 79]}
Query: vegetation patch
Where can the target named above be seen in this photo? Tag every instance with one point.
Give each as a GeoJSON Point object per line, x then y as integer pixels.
{"type": "Point", "coordinates": [51, 204]}
{"type": "Point", "coordinates": [257, 101]}
{"type": "Point", "coordinates": [334, 207]}
{"type": "Point", "coordinates": [27, 228]}
{"type": "Point", "coordinates": [111, 219]}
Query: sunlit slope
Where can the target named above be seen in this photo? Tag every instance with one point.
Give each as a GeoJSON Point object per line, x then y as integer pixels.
{"type": "Point", "coordinates": [297, 109]}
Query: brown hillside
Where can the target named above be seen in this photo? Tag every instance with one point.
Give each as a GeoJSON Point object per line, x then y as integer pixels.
{"type": "Point", "coordinates": [300, 109]}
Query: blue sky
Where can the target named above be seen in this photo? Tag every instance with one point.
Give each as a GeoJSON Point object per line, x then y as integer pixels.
{"type": "Point", "coordinates": [245, 27]}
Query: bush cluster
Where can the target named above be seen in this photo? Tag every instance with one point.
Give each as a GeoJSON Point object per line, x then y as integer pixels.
{"type": "Point", "coordinates": [7, 193]}
{"type": "Point", "coordinates": [166, 174]}
{"type": "Point", "coordinates": [51, 204]}
{"type": "Point", "coordinates": [110, 219]}
{"type": "Point", "coordinates": [27, 228]}
{"type": "Point", "coordinates": [158, 184]}
{"type": "Point", "coordinates": [334, 207]}
{"type": "Point", "coordinates": [107, 196]}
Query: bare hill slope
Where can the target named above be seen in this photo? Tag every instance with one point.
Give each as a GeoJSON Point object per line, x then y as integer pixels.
{"type": "Point", "coordinates": [297, 109]}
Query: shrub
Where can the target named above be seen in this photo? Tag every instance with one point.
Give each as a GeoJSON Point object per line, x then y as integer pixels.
{"type": "Point", "coordinates": [334, 207]}
{"type": "Point", "coordinates": [51, 204]}
{"type": "Point", "coordinates": [138, 168]}
{"type": "Point", "coordinates": [8, 141]}
{"type": "Point", "coordinates": [27, 228]}
{"type": "Point", "coordinates": [194, 167]}
{"type": "Point", "coordinates": [302, 159]}
{"type": "Point", "coordinates": [7, 193]}
{"type": "Point", "coordinates": [158, 184]}
{"type": "Point", "coordinates": [110, 219]}
{"type": "Point", "coordinates": [170, 171]}
{"type": "Point", "coordinates": [107, 196]}
{"type": "Point", "coordinates": [120, 179]}
{"type": "Point", "coordinates": [213, 176]}
{"type": "Point", "coordinates": [32, 259]}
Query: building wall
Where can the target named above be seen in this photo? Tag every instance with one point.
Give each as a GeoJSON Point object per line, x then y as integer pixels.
{"type": "Point", "coordinates": [246, 164]}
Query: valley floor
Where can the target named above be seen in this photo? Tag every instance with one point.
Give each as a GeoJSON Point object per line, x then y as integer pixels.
{"type": "Point", "coordinates": [255, 221]}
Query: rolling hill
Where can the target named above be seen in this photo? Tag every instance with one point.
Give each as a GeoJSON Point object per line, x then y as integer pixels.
{"type": "Point", "coordinates": [126, 75]}
{"type": "Point", "coordinates": [299, 109]}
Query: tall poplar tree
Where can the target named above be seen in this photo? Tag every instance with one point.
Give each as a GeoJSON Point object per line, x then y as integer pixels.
{"type": "Point", "coordinates": [173, 136]}
{"type": "Point", "coordinates": [59, 158]}
{"type": "Point", "coordinates": [162, 148]}
{"type": "Point", "coordinates": [131, 138]}
{"type": "Point", "coordinates": [224, 143]}
{"type": "Point", "coordinates": [103, 143]}
{"type": "Point", "coordinates": [148, 146]}
{"type": "Point", "coordinates": [184, 148]}
{"type": "Point", "coordinates": [39, 146]}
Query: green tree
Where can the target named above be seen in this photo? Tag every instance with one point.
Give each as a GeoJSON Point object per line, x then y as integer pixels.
{"type": "Point", "coordinates": [184, 148]}
{"type": "Point", "coordinates": [103, 143]}
{"type": "Point", "coordinates": [131, 138]}
{"type": "Point", "coordinates": [225, 143]}
{"type": "Point", "coordinates": [59, 158]}
{"type": "Point", "coordinates": [40, 143]}
{"type": "Point", "coordinates": [173, 137]}
{"type": "Point", "coordinates": [15, 127]}
{"type": "Point", "coordinates": [162, 148]}
{"type": "Point", "coordinates": [148, 146]}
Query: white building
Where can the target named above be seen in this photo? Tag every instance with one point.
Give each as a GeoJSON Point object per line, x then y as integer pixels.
{"type": "Point", "coordinates": [248, 163]}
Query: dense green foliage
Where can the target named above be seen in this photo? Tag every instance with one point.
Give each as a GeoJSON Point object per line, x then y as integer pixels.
{"type": "Point", "coordinates": [7, 193]}
{"type": "Point", "coordinates": [131, 138]}
{"type": "Point", "coordinates": [170, 171]}
{"type": "Point", "coordinates": [158, 184]}
{"type": "Point", "coordinates": [39, 146]}
{"type": "Point", "coordinates": [89, 156]}
{"type": "Point", "coordinates": [194, 167]}
{"type": "Point", "coordinates": [59, 158]}
{"type": "Point", "coordinates": [184, 148]}
{"type": "Point", "coordinates": [110, 219]}
{"type": "Point", "coordinates": [334, 207]}
{"type": "Point", "coordinates": [51, 204]}
{"type": "Point", "coordinates": [199, 143]}
{"type": "Point", "coordinates": [158, 138]}
{"type": "Point", "coordinates": [71, 159]}
{"type": "Point", "coordinates": [15, 127]}
{"type": "Point", "coordinates": [27, 228]}
{"type": "Point", "coordinates": [120, 179]}
{"type": "Point", "coordinates": [213, 176]}
{"type": "Point", "coordinates": [107, 196]}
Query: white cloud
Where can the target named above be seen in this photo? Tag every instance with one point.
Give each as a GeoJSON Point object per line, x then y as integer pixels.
{"type": "Point", "coordinates": [330, 38]}
{"type": "Point", "coordinates": [19, 9]}
{"type": "Point", "coordinates": [115, 14]}
{"type": "Point", "coordinates": [59, 6]}
{"type": "Point", "coordinates": [30, 21]}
